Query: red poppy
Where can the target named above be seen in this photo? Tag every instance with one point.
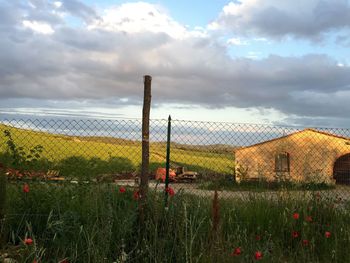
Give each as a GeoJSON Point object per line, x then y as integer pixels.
{"type": "Point", "coordinates": [236, 252]}
{"type": "Point", "coordinates": [318, 195]}
{"type": "Point", "coordinates": [306, 242]}
{"type": "Point", "coordinates": [327, 234]}
{"type": "Point", "coordinates": [25, 188]}
{"type": "Point", "coordinates": [258, 255]}
{"type": "Point", "coordinates": [257, 237]}
{"type": "Point", "coordinates": [308, 219]}
{"type": "Point", "coordinates": [34, 261]}
{"type": "Point", "coordinates": [296, 216]}
{"type": "Point", "coordinates": [295, 234]}
{"type": "Point", "coordinates": [170, 191]}
{"type": "Point", "coordinates": [136, 195]}
{"type": "Point", "coordinates": [122, 190]}
{"type": "Point", "coordinates": [28, 241]}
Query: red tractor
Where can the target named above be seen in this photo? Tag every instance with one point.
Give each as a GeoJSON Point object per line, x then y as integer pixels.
{"type": "Point", "coordinates": [161, 174]}
{"type": "Point", "coordinates": [180, 174]}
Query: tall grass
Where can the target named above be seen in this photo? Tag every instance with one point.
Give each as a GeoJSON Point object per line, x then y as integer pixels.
{"type": "Point", "coordinates": [227, 183]}
{"type": "Point", "coordinates": [98, 223]}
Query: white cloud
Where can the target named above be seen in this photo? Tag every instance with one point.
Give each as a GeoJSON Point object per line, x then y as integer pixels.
{"type": "Point", "coordinates": [236, 41]}
{"type": "Point", "coordinates": [108, 59]}
{"type": "Point", "coordinates": [143, 17]}
{"type": "Point", "coordinates": [57, 4]}
{"type": "Point", "coordinates": [38, 27]}
{"type": "Point", "coordinates": [275, 18]}
{"type": "Point", "coordinates": [261, 39]}
{"type": "Point", "coordinates": [254, 55]}
{"type": "Point", "coordinates": [214, 26]}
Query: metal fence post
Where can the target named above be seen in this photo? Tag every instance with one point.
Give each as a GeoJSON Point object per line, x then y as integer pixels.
{"type": "Point", "coordinates": [167, 167]}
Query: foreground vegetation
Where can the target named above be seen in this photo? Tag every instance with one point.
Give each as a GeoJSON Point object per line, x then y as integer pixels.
{"type": "Point", "coordinates": [228, 183]}
{"type": "Point", "coordinates": [99, 223]}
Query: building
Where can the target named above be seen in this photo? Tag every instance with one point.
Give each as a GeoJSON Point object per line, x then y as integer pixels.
{"type": "Point", "coordinates": [304, 156]}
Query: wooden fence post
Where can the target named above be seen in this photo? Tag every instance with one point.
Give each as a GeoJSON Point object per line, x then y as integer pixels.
{"type": "Point", "coordinates": [2, 203]}
{"type": "Point", "coordinates": [145, 139]}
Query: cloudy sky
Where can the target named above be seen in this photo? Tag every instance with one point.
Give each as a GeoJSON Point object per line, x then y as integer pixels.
{"type": "Point", "coordinates": [259, 61]}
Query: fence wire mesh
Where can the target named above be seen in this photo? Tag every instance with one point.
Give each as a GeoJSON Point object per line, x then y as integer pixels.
{"type": "Point", "coordinates": [234, 158]}
{"type": "Point", "coordinates": [73, 183]}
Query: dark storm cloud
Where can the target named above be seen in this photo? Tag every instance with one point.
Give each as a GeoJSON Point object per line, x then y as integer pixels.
{"type": "Point", "coordinates": [79, 64]}
{"type": "Point", "coordinates": [340, 125]}
{"type": "Point", "coordinates": [43, 11]}
{"type": "Point", "coordinates": [273, 18]}
{"type": "Point", "coordinates": [8, 13]}
{"type": "Point", "coordinates": [105, 41]}
{"type": "Point", "coordinates": [79, 9]}
{"type": "Point", "coordinates": [343, 40]}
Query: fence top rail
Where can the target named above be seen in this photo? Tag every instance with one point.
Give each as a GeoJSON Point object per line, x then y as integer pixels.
{"type": "Point", "coordinates": [202, 122]}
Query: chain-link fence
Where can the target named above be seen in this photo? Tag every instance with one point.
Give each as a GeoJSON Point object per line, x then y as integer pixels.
{"type": "Point", "coordinates": [72, 192]}
{"type": "Point", "coordinates": [234, 158]}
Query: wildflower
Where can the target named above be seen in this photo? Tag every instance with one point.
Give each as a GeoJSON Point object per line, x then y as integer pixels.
{"type": "Point", "coordinates": [170, 191]}
{"type": "Point", "coordinates": [136, 195]}
{"type": "Point", "coordinates": [296, 216]}
{"type": "Point", "coordinates": [25, 188]}
{"type": "Point", "coordinates": [306, 242]}
{"type": "Point", "coordinates": [122, 190]}
{"type": "Point", "coordinates": [28, 241]}
{"type": "Point", "coordinates": [257, 237]}
{"type": "Point", "coordinates": [258, 255]}
{"type": "Point", "coordinates": [318, 195]}
{"type": "Point", "coordinates": [308, 219]}
{"type": "Point", "coordinates": [236, 252]}
{"type": "Point", "coordinates": [327, 234]}
{"type": "Point", "coordinates": [295, 234]}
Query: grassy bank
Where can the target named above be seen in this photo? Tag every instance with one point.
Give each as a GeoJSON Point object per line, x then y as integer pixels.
{"type": "Point", "coordinates": [90, 156]}
{"type": "Point", "coordinates": [99, 223]}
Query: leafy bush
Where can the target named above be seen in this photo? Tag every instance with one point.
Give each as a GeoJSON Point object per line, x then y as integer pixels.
{"type": "Point", "coordinates": [21, 158]}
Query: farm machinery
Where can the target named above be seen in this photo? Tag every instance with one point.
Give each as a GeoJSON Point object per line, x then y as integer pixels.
{"type": "Point", "coordinates": [179, 174]}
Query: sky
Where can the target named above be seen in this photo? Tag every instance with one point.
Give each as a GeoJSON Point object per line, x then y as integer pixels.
{"type": "Point", "coordinates": [249, 61]}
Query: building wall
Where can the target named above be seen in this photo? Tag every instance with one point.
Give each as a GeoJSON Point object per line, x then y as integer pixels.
{"type": "Point", "coordinates": [312, 156]}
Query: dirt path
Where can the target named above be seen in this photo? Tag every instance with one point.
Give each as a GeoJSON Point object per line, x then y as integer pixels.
{"type": "Point", "coordinates": [340, 192]}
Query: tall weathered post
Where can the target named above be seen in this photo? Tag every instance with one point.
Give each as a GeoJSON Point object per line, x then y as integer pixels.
{"type": "Point", "coordinates": [2, 202]}
{"type": "Point", "coordinates": [145, 139]}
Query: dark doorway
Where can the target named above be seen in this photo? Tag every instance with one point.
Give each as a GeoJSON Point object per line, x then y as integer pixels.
{"type": "Point", "coordinates": [341, 169]}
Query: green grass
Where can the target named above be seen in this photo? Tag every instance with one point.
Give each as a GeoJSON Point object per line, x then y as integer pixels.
{"type": "Point", "coordinates": [97, 223]}
{"type": "Point", "coordinates": [97, 154]}
{"type": "Point", "coordinates": [228, 184]}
